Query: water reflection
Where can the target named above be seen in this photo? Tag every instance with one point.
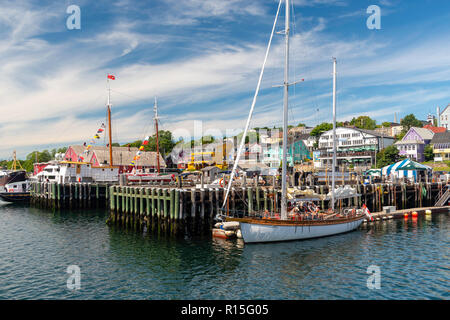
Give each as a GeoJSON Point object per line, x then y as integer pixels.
{"type": "Point", "coordinates": [117, 263]}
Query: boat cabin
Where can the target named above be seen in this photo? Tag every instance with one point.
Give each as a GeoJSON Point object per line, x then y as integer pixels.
{"type": "Point", "coordinates": [70, 171]}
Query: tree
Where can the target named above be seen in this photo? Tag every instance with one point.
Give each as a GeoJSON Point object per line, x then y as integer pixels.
{"type": "Point", "coordinates": [387, 156]}
{"type": "Point", "coordinates": [321, 128]}
{"type": "Point", "coordinates": [410, 121]}
{"type": "Point", "coordinates": [364, 122]}
{"type": "Point", "coordinates": [44, 156]}
{"type": "Point", "coordinates": [301, 125]}
{"type": "Point", "coordinates": [428, 152]}
{"type": "Point", "coordinates": [386, 124]}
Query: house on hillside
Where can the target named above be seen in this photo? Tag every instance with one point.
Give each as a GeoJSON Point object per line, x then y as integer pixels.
{"type": "Point", "coordinates": [444, 118]}
{"type": "Point", "coordinates": [357, 147]}
{"type": "Point", "coordinates": [441, 146]}
{"type": "Point", "coordinates": [413, 143]}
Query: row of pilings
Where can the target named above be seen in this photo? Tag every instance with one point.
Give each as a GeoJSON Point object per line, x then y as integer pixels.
{"type": "Point", "coordinates": [181, 211]}
{"type": "Point", "coordinates": [74, 195]}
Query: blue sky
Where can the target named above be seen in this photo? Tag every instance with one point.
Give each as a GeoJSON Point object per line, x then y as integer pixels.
{"type": "Point", "coordinates": [202, 59]}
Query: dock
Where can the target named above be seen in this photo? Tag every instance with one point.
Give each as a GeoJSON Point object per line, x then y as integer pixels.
{"type": "Point", "coordinates": [184, 210]}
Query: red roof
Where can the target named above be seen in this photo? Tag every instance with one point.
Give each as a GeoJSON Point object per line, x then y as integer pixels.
{"type": "Point", "coordinates": [435, 129]}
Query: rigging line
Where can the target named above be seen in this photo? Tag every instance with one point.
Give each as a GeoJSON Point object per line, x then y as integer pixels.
{"type": "Point", "coordinates": [252, 108]}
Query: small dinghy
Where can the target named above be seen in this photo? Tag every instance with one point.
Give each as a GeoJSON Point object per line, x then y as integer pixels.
{"type": "Point", "coordinates": [226, 230]}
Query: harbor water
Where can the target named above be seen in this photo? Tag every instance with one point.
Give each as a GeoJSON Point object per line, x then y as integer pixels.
{"type": "Point", "coordinates": [37, 246]}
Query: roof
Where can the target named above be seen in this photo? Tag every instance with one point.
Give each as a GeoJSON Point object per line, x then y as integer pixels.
{"type": "Point", "coordinates": [435, 129]}
{"type": "Point", "coordinates": [303, 136]}
{"type": "Point", "coordinates": [410, 142]}
{"type": "Point", "coordinates": [441, 137]}
{"type": "Point", "coordinates": [425, 133]}
{"type": "Point", "coordinates": [122, 156]}
{"type": "Point", "coordinates": [374, 133]}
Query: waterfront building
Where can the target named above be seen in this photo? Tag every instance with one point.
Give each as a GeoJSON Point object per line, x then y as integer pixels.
{"type": "Point", "coordinates": [357, 147]}
{"type": "Point", "coordinates": [98, 156]}
{"type": "Point", "coordinates": [441, 146]}
{"type": "Point", "coordinates": [297, 152]}
{"type": "Point", "coordinates": [413, 143]}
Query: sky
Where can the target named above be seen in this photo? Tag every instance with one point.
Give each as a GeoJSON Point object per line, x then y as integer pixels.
{"type": "Point", "coordinates": [202, 59]}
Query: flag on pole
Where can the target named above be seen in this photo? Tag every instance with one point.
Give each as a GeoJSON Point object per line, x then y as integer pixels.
{"type": "Point", "coordinates": [367, 212]}
{"type": "Point", "coordinates": [110, 76]}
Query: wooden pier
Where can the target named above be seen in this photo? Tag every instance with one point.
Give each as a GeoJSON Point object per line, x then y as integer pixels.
{"type": "Point", "coordinates": [177, 210]}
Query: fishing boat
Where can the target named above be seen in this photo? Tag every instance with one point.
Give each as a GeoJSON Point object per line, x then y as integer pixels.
{"type": "Point", "coordinates": [272, 227]}
{"type": "Point", "coordinates": [14, 184]}
{"type": "Point", "coordinates": [16, 192]}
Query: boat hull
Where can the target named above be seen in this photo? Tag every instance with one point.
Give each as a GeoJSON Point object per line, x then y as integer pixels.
{"type": "Point", "coordinates": [253, 232]}
{"type": "Point", "coordinates": [15, 196]}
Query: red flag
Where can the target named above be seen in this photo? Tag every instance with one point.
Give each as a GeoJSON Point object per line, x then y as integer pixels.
{"type": "Point", "coordinates": [110, 76]}
{"type": "Point", "coordinates": [145, 142]}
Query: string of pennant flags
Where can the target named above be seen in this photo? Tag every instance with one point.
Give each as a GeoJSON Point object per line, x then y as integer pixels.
{"type": "Point", "coordinates": [99, 133]}
{"type": "Point", "coordinates": [140, 150]}
{"type": "Point", "coordinates": [97, 136]}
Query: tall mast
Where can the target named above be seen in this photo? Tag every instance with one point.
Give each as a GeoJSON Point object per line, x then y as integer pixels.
{"type": "Point", "coordinates": [157, 133]}
{"type": "Point", "coordinates": [285, 117]}
{"type": "Point", "coordinates": [109, 125]}
{"type": "Point", "coordinates": [334, 134]}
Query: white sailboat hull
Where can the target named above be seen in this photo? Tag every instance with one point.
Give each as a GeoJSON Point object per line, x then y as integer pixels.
{"type": "Point", "coordinates": [253, 232]}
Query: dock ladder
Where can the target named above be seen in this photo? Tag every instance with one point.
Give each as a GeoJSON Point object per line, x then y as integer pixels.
{"type": "Point", "coordinates": [442, 201]}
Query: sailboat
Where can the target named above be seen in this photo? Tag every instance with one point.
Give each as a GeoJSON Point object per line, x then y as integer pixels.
{"type": "Point", "coordinates": [275, 228]}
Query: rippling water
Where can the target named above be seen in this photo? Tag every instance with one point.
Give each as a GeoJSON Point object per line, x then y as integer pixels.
{"type": "Point", "coordinates": [36, 246]}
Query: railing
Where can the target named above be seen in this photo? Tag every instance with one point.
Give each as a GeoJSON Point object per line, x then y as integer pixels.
{"type": "Point", "coordinates": [347, 154]}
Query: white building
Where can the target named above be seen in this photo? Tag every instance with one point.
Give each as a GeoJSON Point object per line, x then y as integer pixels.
{"type": "Point", "coordinates": [444, 117]}
{"type": "Point", "coordinates": [354, 146]}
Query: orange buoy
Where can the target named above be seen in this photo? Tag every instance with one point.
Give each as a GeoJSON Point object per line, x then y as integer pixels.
{"type": "Point", "coordinates": [406, 215]}
{"type": "Point", "coordinates": [414, 214]}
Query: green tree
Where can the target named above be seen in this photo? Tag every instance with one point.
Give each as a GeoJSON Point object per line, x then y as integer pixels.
{"type": "Point", "coordinates": [364, 122]}
{"type": "Point", "coordinates": [386, 124]}
{"type": "Point", "coordinates": [428, 152]}
{"type": "Point", "coordinates": [43, 156]}
{"type": "Point", "coordinates": [410, 121]}
{"type": "Point", "coordinates": [301, 125]}
{"type": "Point", "coordinates": [387, 156]}
{"type": "Point", "coordinates": [321, 128]}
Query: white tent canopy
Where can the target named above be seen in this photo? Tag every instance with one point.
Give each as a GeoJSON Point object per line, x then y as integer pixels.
{"type": "Point", "coordinates": [404, 169]}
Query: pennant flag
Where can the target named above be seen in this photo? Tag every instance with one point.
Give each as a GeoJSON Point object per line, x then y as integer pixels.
{"type": "Point", "coordinates": [367, 212]}
{"type": "Point", "coordinates": [145, 142]}
{"type": "Point", "coordinates": [141, 148]}
{"type": "Point", "coordinates": [97, 136]}
{"type": "Point", "coordinates": [139, 153]}
{"type": "Point", "coordinates": [110, 76]}
{"type": "Point", "coordinates": [100, 130]}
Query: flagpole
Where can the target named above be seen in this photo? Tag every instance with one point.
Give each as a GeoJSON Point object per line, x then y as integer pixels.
{"type": "Point", "coordinates": [157, 134]}
{"type": "Point", "coordinates": [109, 124]}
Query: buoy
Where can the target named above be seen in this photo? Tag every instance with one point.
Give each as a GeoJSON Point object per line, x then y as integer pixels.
{"type": "Point", "coordinates": [428, 211]}
{"type": "Point", "coordinates": [406, 215]}
{"type": "Point", "coordinates": [414, 214]}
